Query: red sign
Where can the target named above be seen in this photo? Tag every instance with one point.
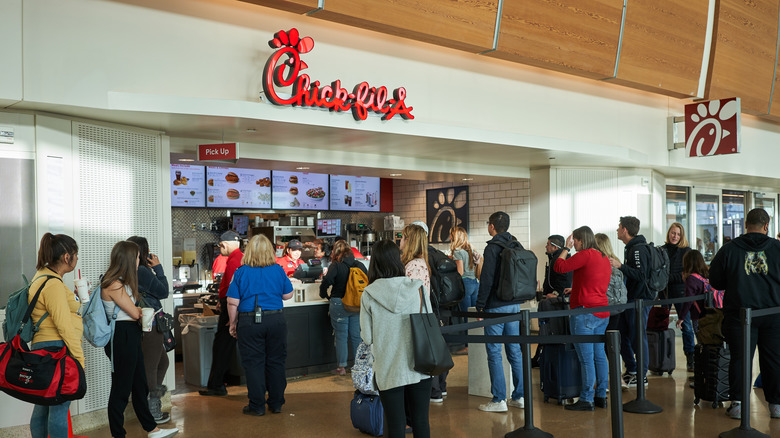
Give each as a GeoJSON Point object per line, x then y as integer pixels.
{"type": "Point", "coordinates": [360, 101]}
{"type": "Point", "coordinates": [712, 128]}
{"type": "Point", "coordinates": [218, 152]}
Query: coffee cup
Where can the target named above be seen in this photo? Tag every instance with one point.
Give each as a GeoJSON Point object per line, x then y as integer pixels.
{"type": "Point", "coordinates": [147, 316]}
{"type": "Point", "coordinates": [82, 289]}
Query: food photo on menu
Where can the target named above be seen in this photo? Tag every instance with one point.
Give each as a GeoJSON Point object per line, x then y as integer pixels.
{"type": "Point", "coordinates": [228, 187]}
{"type": "Point", "coordinates": [298, 190]}
{"type": "Point", "coordinates": [188, 185]}
{"type": "Point", "coordinates": [354, 193]}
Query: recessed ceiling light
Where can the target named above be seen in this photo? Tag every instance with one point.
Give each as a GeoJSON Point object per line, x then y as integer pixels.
{"type": "Point", "coordinates": [251, 130]}
{"type": "Point", "coordinates": [302, 168]}
{"type": "Point", "coordinates": [468, 179]}
{"type": "Point", "coordinates": [396, 174]}
{"type": "Point", "coordinates": [186, 159]}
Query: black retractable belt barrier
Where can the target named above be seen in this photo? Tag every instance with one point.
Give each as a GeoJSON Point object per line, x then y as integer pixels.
{"type": "Point", "coordinates": [744, 430]}
{"type": "Point", "coordinates": [641, 405]}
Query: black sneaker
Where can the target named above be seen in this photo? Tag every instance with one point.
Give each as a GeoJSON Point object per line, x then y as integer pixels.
{"type": "Point", "coordinates": [600, 402]}
{"type": "Point", "coordinates": [213, 392]}
{"type": "Point", "coordinates": [581, 405]}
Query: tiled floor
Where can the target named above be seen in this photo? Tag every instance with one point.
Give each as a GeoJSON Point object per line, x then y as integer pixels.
{"type": "Point", "coordinates": [319, 406]}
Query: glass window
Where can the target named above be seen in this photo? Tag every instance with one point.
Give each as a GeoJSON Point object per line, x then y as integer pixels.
{"type": "Point", "coordinates": [767, 202]}
{"type": "Point", "coordinates": [733, 214]}
{"type": "Point", "coordinates": [676, 206]}
{"type": "Point", "coordinates": [707, 225]}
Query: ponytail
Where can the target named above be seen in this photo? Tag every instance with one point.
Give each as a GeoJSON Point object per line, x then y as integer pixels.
{"type": "Point", "coordinates": [53, 248]}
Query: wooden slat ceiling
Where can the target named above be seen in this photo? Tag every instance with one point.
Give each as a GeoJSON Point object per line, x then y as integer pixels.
{"type": "Point", "coordinates": [663, 46]}
{"type": "Point", "coordinates": [661, 51]}
{"type": "Point", "coordinates": [745, 53]}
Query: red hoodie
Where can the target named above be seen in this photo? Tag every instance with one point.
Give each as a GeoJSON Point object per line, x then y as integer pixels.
{"type": "Point", "coordinates": [592, 272]}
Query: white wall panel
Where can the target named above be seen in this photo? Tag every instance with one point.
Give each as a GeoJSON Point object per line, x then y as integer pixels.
{"type": "Point", "coordinates": [10, 52]}
{"type": "Point", "coordinates": [586, 197]}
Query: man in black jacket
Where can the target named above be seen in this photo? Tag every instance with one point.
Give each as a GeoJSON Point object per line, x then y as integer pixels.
{"type": "Point", "coordinates": [635, 269]}
{"type": "Point", "coordinates": [748, 269]}
{"type": "Point", "coordinates": [554, 282]}
{"type": "Point", "coordinates": [488, 301]}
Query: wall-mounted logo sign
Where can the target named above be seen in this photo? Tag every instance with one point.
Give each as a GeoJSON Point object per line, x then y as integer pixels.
{"type": "Point", "coordinates": [283, 69]}
{"type": "Point", "coordinates": [712, 128]}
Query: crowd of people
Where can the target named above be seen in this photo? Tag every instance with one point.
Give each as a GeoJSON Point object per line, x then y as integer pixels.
{"type": "Point", "coordinates": [581, 269]}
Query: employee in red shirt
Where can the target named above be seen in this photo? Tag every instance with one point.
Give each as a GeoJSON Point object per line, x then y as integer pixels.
{"type": "Point", "coordinates": [224, 347]}
{"type": "Point", "coordinates": [592, 272]}
{"type": "Point", "coordinates": [291, 258]}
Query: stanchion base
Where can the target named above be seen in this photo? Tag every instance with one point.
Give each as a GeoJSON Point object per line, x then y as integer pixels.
{"type": "Point", "coordinates": [642, 407]}
{"type": "Point", "coordinates": [743, 433]}
{"type": "Point", "coordinates": [528, 433]}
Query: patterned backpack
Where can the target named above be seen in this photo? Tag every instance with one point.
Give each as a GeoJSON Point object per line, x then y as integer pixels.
{"type": "Point", "coordinates": [363, 370]}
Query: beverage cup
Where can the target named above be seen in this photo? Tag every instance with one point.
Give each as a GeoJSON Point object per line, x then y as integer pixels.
{"type": "Point", "coordinates": [147, 316]}
{"type": "Point", "coordinates": [83, 290]}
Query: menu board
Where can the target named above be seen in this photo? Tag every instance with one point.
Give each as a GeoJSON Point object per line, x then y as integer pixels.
{"type": "Point", "coordinates": [229, 187]}
{"type": "Point", "coordinates": [354, 193]}
{"type": "Point", "coordinates": [300, 191]}
{"type": "Point", "coordinates": [188, 185]}
{"type": "Point", "coordinates": [328, 227]}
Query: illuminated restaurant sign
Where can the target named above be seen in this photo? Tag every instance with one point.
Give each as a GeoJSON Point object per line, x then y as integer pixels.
{"type": "Point", "coordinates": [712, 128]}
{"type": "Point", "coordinates": [283, 69]}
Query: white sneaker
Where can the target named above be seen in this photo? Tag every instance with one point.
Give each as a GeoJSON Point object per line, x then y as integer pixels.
{"type": "Point", "coordinates": [162, 433]}
{"type": "Point", "coordinates": [437, 400]}
{"type": "Point", "coordinates": [519, 403]}
{"type": "Point", "coordinates": [499, 406]}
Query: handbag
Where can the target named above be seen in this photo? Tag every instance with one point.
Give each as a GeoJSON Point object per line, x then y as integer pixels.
{"type": "Point", "coordinates": [47, 376]}
{"type": "Point", "coordinates": [366, 413]}
{"type": "Point", "coordinates": [431, 355]}
{"type": "Point", "coordinates": [164, 323]}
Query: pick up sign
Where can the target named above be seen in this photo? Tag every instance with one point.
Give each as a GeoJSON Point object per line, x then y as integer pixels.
{"type": "Point", "coordinates": [221, 152]}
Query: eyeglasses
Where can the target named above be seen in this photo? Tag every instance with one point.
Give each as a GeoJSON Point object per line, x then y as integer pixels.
{"type": "Point", "coordinates": [487, 222]}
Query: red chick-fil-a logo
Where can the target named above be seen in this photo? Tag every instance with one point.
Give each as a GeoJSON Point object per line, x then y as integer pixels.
{"type": "Point", "coordinates": [286, 73]}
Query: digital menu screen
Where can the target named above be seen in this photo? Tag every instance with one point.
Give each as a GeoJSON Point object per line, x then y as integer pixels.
{"type": "Point", "coordinates": [300, 191]}
{"type": "Point", "coordinates": [228, 187]}
{"type": "Point", "coordinates": [328, 227]}
{"type": "Point", "coordinates": [354, 193]}
{"type": "Point", "coordinates": [188, 185]}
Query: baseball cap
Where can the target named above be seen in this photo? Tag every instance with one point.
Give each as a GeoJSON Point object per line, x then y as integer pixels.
{"type": "Point", "coordinates": [229, 236]}
{"type": "Point", "coordinates": [294, 244]}
{"type": "Point", "coordinates": [421, 224]}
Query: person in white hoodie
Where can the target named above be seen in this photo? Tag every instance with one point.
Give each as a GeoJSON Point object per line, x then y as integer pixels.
{"type": "Point", "coordinates": [385, 306]}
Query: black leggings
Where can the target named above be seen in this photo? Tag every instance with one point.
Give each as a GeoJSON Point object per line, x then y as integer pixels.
{"type": "Point", "coordinates": [129, 376]}
{"type": "Point", "coordinates": [418, 399]}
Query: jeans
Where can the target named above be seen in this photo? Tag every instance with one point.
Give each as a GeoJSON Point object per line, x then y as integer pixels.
{"type": "Point", "coordinates": [590, 355]}
{"type": "Point", "coordinates": [513, 355]}
{"type": "Point", "coordinates": [414, 399]}
{"type": "Point", "coordinates": [263, 349]}
{"type": "Point", "coordinates": [470, 298]}
{"type": "Point", "coordinates": [49, 420]}
{"type": "Point", "coordinates": [688, 338]}
{"type": "Point", "coordinates": [346, 325]}
{"type": "Point", "coordinates": [629, 342]}
{"type": "Point", "coordinates": [764, 335]}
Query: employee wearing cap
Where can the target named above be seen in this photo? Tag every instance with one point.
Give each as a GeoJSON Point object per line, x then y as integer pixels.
{"type": "Point", "coordinates": [224, 347]}
{"type": "Point", "coordinates": [291, 258]}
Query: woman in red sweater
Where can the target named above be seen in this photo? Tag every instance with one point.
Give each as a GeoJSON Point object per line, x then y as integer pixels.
{"type": "Point", "coordinates": [592, 271]}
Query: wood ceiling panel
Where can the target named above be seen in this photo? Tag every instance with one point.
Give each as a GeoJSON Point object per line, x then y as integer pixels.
{"type": "Point", "coordinates": [297, 6]}
{"type": "Point", "coordinates": [571, 36]}
{"type": "Point", "coordinates": [459, 24]}
{"type": "Point", "coordinates": [745, 50]}
{"type": "Point", "coordinates": [663, 46]}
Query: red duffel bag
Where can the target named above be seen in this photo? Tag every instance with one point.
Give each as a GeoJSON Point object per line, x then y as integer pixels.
{"type": "Point", "coordinates": [49, 376]}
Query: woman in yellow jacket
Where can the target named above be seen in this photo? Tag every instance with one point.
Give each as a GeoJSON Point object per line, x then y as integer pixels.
{"type": "Point", "coordinates": [57, 256]}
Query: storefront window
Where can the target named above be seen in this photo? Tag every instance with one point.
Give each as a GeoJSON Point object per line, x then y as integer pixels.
{"type": "Point", "coordinates": [733, 214]}
{"type": "Point", "coordinates": [677, 206]}
{"type": "Point", "coordinates": [707, 225]}
{"type": "Point", "coordinates": [769, 203]}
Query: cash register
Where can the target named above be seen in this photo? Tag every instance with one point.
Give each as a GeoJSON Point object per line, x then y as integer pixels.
{"type": "Point", "coordinates": [309, 271]}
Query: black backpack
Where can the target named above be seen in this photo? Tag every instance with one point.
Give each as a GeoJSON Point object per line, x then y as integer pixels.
{"type": "Point", "coordinates": [517, 274]}
{"type": "Point", "coordinates": [659, 270]}
{"type": "Point", "coordinates": [446, 283]}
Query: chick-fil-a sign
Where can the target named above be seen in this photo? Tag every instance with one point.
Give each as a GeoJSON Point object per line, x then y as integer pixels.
{"type": "Point", "coordinates": [283, 69]}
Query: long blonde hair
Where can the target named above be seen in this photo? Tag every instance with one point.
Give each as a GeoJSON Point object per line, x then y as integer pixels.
{"type": "Point", "coordinates": [605, 246]}
{"type": "Point", "coordinates": [122, 267]}
{"type": "Point", "coordinates": [259, 252]}
{"type": "Point", "coordinates": [683, 243]}
{"type": "Point", "coordinates": [416, 246]}
{"type": "Point", "coordinates": [460, 240]}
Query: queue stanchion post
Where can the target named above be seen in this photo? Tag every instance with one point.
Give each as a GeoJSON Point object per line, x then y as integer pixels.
{"type": "Point", "coordinates": [744, 430]}
{"type": "Point", "coordinates": [641, 405]}
{"type": "Point", "coordinates": [615, 388]}
{"type": "Point", "coordinates": [528, 430]}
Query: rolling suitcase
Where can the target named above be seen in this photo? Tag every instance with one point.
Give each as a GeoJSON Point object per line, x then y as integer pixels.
{"type": "Point", "coordinates": [553, 326]}
{"type": "Point", "coordinates": [560, 371]}
{"type": "Point", "coordinates": [660, 346]}
{"type": "Point", "coordinates": [711, 373]}
{"type": "Point", "coordinates": [366, 414]}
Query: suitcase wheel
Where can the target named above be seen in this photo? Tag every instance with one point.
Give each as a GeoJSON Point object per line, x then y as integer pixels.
{"type": "Point", "coordinates": [716, 405]}
{"type": "Point", "coordinates": [696, 400]}
{"type": "Point", "coordinates": [546, 399]}
{"type": "Point", "coordinates": [670, 374]}
{"type": "Point", "coordinates": [658, 373]}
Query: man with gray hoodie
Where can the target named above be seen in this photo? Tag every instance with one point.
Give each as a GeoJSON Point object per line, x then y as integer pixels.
{"type": "Point", "coordinates": [488, 301]}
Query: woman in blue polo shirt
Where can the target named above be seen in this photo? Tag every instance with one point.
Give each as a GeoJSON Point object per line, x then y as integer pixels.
{"type": "Point", "coordinates": [255, 305]}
